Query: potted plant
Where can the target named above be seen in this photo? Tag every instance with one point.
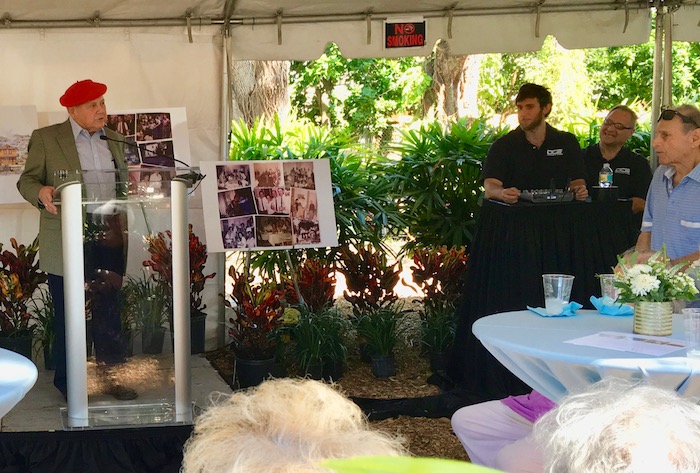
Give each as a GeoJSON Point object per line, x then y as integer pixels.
{"type": "Point", "coordinates": [438, 272]}
{"type": "Point", "coordinates": [315, 281]}
{"type": "Point", "coordinates": [20, 276]}
{"type": "Point", "coordinates": [370, 281]}
{"type": "Point", "coordinates": [380, 330]}
{"type": "Point", "coordinates": [307, 338]}
{"type": "Point", "coordinates": [146, 303]}
{"type": "Point", "coordinates": [652, 287]}
{"type": "Point", "coordinates": [317, 341]}
{"type": "Point", "coordinates": [41, 308]}
{"type": "Point", "coordinates": [257, 312]}
{"type": "Point", "coordinates": [160, 250]}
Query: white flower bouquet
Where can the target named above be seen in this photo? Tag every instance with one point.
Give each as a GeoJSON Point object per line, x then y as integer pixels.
{"type": "Point", "coordinates": [653, 281]}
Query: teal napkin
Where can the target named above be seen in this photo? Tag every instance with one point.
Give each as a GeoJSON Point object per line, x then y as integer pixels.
{"type": "Point", "coordinates": [568, 310]}
{"type": "Point", "coordinates": [607, 306]}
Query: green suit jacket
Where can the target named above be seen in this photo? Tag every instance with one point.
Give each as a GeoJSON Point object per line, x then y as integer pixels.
{"type": "Point", "coordinates": [53, 149]}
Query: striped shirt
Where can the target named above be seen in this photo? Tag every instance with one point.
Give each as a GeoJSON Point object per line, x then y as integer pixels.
{"type": "Point", "coordinates": [672, 214]}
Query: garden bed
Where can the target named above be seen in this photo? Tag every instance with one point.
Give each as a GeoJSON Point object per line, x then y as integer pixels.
{"type": "Point", "coordinates": [425, 437]}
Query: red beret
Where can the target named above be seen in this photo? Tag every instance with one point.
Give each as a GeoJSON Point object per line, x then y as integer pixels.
{"type": "Point", "coordinates": [81, 92]}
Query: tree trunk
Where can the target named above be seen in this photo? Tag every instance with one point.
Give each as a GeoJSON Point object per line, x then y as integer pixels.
{"type": "Point", "coordinates": [259, 89]}
{"type": "Point", "coordinates": [454, 87]}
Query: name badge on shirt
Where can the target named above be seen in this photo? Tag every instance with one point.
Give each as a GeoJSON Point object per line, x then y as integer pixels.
{"type": "Point", "coordinates": [622, 171]}
{"type": "Point", "coordinates": [555, 152]}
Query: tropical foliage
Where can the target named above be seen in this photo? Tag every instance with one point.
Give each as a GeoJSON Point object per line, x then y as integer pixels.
{"type": "Point", "coordinates": [20, 276]}
{"type": "Point", "coordinates": [160, 248]}
{"type": "Point", "coordinates": [258, 314]}
{"type": "Point", "coordinates": [436, 182]}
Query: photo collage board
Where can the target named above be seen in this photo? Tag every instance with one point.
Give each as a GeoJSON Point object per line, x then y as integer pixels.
{"type": "Point", "coordinates": [268, 205]}
{"type": "Point", "coordinates": [152, 146]}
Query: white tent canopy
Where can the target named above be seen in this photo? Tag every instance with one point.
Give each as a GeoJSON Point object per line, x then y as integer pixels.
{"type": "Point", "coordinates": [300, 29]}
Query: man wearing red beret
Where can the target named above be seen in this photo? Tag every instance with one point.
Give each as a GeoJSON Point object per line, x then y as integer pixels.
{"type": "Point", "coordinates": [77, 145]}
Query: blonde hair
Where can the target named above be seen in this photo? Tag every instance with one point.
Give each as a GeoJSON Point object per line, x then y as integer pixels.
{"type": "Point", "coordinates": [620, 427]}
{"type": "Point", "coordinates": [282, 426]}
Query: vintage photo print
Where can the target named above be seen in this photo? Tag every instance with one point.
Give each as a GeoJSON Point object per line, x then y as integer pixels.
{"type": "Point", "coordinates": [235, 203]}
{"type": "Point", "coordinates": [273, 231]}
{"type": "Point", "coordinates": [299, 174]}
{"type": "Point", "coordinates": [267, 173]}
{"type": "Point", "coordinates": [238, 232]}
{"type": "Point", "coordinates": [232, 176]}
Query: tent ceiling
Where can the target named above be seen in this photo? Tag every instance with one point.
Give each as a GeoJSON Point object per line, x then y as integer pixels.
{"type": "Point", "coordinates": [300, 29]}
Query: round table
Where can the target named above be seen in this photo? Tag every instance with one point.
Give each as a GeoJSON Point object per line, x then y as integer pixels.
{"type": "Point", "coordinates": [534, 349]}
{"type": "Point", "coordinates": [17, 376]}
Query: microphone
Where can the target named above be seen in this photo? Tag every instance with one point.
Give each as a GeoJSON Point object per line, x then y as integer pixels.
{"type": "Point", "coordinates": [194, 177]}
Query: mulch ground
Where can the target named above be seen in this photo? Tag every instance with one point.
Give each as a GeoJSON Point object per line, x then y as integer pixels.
{"type": "Point", "coordinates": [424, 436]}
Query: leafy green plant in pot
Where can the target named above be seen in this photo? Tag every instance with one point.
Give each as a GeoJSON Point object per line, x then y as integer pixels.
{"type": "Point", "coordinates": [20, 277]}
{"type": "Point", "coordinates": [146, 301]}
{"type": "Point", "coordinates": [257, 317]}
{"type": "Point", "coordinates": [306, 338]}
{"type": "Point", "coordinates": [318, 342]}
{"type": "Point", "coordinates": [41, 308]}
{"type": "Point", "coordinates": [380, 329]}
{"type": "Point", "coordinates": [438, 272]}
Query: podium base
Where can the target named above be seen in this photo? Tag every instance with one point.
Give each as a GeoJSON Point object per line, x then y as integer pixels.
{"type": "Point", "coordinates": [111, 416]}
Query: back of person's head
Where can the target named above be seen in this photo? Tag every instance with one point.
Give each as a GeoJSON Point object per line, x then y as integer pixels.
{"type": "Point", "coordinates": [617, 426]}
{"type": "Point", "coordinates": [282, 426]}
{"type": "Point", "coordinates": [534, 91]}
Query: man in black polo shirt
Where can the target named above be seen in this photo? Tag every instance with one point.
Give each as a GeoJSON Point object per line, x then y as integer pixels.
{"type": "Point", "coordinates": [631, 172]}
{"type": "Point", "coordinates": [535, 155]}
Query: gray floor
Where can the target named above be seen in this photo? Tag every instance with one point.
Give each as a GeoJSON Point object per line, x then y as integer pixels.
{"type": "Point", "coordinates": [40, 408]}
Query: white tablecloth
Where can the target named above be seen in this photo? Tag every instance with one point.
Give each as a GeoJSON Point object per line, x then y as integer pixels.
{"type": "Point", "coordinates": [17, 376]}
{"type": "Point", "coordinates": [533, 348]}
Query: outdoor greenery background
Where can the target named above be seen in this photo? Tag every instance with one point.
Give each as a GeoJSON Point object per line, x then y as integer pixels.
{"type": "Point", "coordinates": [398, 174]}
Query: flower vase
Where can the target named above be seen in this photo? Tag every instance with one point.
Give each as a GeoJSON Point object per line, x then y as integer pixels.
{"type": "Point", "coordinates": [653, 318]}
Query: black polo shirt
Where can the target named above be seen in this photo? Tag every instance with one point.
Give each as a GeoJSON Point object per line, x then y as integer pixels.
{"type": "Point", "coordinates": [631, 171]}
{"type": "Point", "coordinates": [518, 163]}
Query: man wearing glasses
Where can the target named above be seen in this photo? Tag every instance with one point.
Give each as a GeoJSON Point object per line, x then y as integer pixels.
{"type": "Point", "coordinates": [631, 171]}
{"type": "Point", "coordinates": [672, 212]}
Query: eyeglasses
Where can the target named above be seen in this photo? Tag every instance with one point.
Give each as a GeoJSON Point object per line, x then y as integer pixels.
{"type": "Point", "coordinates": [669, 114]}
{"type": "Point", "coordinates": [618, 126]}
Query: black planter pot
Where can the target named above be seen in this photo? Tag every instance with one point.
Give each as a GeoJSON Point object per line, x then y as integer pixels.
{"type": "Point", "coordinates": [313, 371]}
{"type": "Point", "coordinates": [128, 340]}
{"type": "Point", "coordinates": [333, 370]}
{"type": "Point", "coordinates": [383, 366]}
{"type": "Point", "coordinates": [49, 361]}
{"type": "Point", "coordinates": [21, 344]}
{"type": "Point", "coordinates": [439, 360]}
{"type": "Point", "coordinates": [248, 373]}
{"type": "Point", "coordinates": [197, 327]}
{"type": "Point", "coordinates": [152, 340]}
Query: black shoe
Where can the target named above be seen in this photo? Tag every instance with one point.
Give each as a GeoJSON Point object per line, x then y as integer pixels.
{"type": "Point", "coordinates": [121, 392]}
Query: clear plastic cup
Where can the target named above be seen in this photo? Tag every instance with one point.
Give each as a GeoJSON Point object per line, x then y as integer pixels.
{"type": "Point", "coordinates": [607, 286]}
{"type": "Point", "coordinates": [691, 326]}
{"type": "Point", "coordinates": [557, 290]}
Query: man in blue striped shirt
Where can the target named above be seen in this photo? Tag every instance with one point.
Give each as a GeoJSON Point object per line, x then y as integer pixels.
{"type": "Point", "coordinates": [672, 212]}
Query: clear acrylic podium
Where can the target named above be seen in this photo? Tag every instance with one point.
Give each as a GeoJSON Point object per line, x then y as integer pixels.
{"type": "Point", "coordinates": [108, 221]}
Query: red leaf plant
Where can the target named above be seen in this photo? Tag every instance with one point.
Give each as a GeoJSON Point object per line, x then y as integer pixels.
{"type": "Point", "coordinates": [258, 315]}
{"type": "Point", "coordinates": [160, 247]}
{"type": "Point", "coordinates": [316, 283]}
{"type": "Point", "coordinates": [20, 276]}
{"type": "Point", "coordinates": [370, 279]}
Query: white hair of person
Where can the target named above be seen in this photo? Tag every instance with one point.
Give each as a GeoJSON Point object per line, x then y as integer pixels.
{"type": "Point", "coordinates": [619, 426]}
{"type": "Point", "coordinates": [282, 426]}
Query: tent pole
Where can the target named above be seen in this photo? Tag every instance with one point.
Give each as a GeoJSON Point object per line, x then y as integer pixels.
{"type": "Point", "coordinates": [657, 86]}
{"type": "Point", "coordinates": [225, 110]}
